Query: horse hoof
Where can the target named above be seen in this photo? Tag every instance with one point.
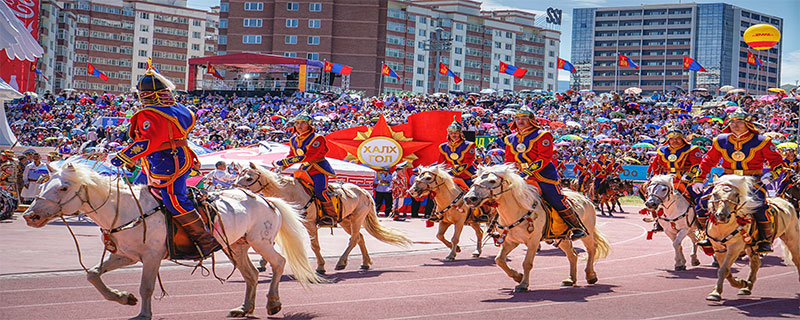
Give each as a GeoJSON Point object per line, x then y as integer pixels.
{"type": "Point", "coordinates": [567, 283]}
{"type": "Point", "coordinates": [680, 268]}
{"type": "Point", "coordinates": [320, 271]}
{"type": "Point", "coordinates": [592, 279]}
{"type": "Point", "coordinates": [744, 292]}
{"type": "Point", "coordinates": [458, 248]}
{"type": "Point", "coordinates": [714, 297]}
{"type": "Point", "coordinates": [476, 254]}
{"type": "Point", "coordinates": [273, 305]}
{"type": "Point", "coordinates": [238, 313]}
{"type": "Point", "coordinates": [449, 259]}
{"type": "Point", "coordinates": [130, 299]}
{"type": "Point", "coordinates": [715, 264]}
{"type": "Point", "coordinates": [261, 269]}
{"type": "Point", "coordinates": [610, 215]}
{"type": "Point", "coordinates": [364, 267]}
{"type": "Point", "coordinates": [695, 263]}
{"type": "Point", "coordinates": [518, 278]}
{"type": "Point", "coordinates": [340, 267]}
{"type": "Point", "coordinates": [520, 289]}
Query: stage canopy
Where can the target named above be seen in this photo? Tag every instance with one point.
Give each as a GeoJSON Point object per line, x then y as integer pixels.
{"type": "Point", "coordinates": [253, 63]}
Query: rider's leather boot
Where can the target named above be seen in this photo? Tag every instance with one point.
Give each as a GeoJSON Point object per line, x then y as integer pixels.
{"type": "Point", "coordinates": [196, 229]}
{"type": "Point", "coordinates": [326, 218]}
{"type": "Point", "coordinates": [764, 236]}
{"type": "Point", "coordinates": [574, 223]}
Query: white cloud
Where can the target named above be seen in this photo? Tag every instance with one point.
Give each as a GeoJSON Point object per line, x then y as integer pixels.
{"type": "Point", "coordinates": [790, 70]}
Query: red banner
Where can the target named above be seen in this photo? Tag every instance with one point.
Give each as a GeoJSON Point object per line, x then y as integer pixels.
{"type": "Point", "coordinates": [18, 72]}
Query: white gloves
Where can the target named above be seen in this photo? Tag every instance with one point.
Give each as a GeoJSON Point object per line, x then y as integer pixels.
{"type": "Point", "coordinates": [697, 187]}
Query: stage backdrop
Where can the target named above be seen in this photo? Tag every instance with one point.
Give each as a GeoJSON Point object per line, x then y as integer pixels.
{"type": "Point", "coordinates": [381, 146]}
{"type": "Point", "coordinates": [18, 72]}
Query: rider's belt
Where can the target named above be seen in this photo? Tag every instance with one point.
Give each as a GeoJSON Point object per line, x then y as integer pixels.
{"type": "Point", "coordinates": [672, 170]}
{"type": "Point", "coordinates": [751, 172]}
{"type": "Point", "coordinates": [168, 145]}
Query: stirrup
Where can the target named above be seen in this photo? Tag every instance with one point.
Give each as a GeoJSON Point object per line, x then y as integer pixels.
{"type": "Point", "coordinates": [577, 233]}
{"type": "Point", "coordinates": [326, 221]}
{"type": "Point", "coordinates": [763, 247]}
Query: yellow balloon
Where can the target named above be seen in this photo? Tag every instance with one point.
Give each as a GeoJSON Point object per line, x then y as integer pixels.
{"type": "Point", "coordinates": [762, 36]}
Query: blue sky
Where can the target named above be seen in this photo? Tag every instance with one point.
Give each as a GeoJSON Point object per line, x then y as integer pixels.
{"type": "Point", "coordinates": [790, 69]}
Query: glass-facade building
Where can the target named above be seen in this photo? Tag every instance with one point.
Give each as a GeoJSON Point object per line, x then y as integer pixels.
{"type": "Point", "coordinates": [657, 37]}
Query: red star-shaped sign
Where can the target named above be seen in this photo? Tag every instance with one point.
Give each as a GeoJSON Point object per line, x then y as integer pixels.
{"type": "Point", "coordinates": [381, 129]}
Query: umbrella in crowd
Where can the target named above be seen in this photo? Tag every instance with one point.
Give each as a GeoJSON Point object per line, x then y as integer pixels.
{"type": "Point", "coordinates": [776, 90]}
{"type": "Point", "coordinates": [633, 90]}
{"type": "Point", "coordinates": [726, 88]}
{"type": "Point", "coordinates": [570, 137]}
{"type": "Point", "coordinates": [643, 145]}
{"type": "Point", "coordinates": [573, 124]}
{"type": "Point", "coordinates": [789, 145]}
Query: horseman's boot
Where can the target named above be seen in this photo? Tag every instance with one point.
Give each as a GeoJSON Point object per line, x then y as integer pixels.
{"type": "Point", "coordinates": [701, 221]}
{"type": "Point", "coordinates": [328, 217]}
{"type": "Point", "coordinates": [574, 223]}
{"type": "Point", "coordinates": [765, 235]}
{"type": "Point", "coordinates": [196, 229]}
{"type": "Point", "coordinates": [658, 227]}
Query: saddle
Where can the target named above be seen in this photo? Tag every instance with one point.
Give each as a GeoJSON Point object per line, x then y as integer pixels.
{"type": "Point", "coordinates": [336, 197]}
{"type": "Point", "coordinates": [554, 228]}
{"type": "Point", "coordinates": [179, 245]}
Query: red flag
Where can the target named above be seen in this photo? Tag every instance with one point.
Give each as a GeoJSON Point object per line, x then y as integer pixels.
{"type": "Point", "coordinates": [691, 64]}
{"type": "Point", "coordinates": [90, 69]}
{"type": "Point", "coordinates": [387, 71]}
{"type": "Point", "coordinates": [625, 61]}
{"type": "Point", "coordinates": [213, 71]}
{"type": "Point", "coordinates": [752, 59]}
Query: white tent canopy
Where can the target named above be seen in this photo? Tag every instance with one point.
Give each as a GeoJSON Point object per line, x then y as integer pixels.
{"type": "Point", "coordinates": [7, 137]}
{"type": "Point", "coordinates": [15, 38]}
{"type": "Point", "coordinates": [267, 152]}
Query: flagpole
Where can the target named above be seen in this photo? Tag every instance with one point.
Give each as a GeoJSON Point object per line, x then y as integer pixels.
{"type": "Point", "coordinates": [616, 70]}
{"type": "Point", "coordinates": [758, 73]}
{"type": "Point", "coordinates": [380, 81]}
{"type": "Point", "coordinates": [747, 76]}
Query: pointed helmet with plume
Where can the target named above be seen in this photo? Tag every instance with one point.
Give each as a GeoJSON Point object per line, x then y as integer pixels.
{"type": "Point", "coordinates": [155, 89]}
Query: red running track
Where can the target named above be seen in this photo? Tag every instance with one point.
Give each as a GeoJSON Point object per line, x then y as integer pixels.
{"type": "Point", "coordinates": [636, 282]}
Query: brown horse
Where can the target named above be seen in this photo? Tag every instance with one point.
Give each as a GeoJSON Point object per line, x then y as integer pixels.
{"type": "Point", "coordinates": [609, 193]}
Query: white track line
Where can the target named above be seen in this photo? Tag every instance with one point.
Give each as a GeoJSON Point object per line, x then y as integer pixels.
{"type": "Point", "coordinates": [722, 309]}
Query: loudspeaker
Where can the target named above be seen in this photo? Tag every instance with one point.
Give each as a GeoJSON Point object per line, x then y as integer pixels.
{"type": "Point", "coordinates": [469, 136]}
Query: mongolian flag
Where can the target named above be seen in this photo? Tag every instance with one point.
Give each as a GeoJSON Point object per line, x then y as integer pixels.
{"type": "Point", "coordinates": [386, 71]}
{"type": "Point", "coordinates": [35, 69]}
{"type": "Point", "coordinates": [564, 64]}
{"type": "Point", "coordinates": [512, 70]}
{"type": "Point", "coordinates": [337, 68]}
{"type": "Point", "coordinates": [213, 71]}
{"type": "Point", "coordinates": [91, 70]}
{"type": "Point", "coordinates": [625, 61]}
{"type": "Point", "coordinates": [691, 64]}
{"type": "Point", "coordinates": [752, 59]}
{"type": "Point", "coordinates": [443, 69]}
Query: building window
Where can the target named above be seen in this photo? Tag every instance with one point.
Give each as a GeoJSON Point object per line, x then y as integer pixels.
{"type": "Point", "coordinates": [252, 39]}
{"type": "Point", "coordinates": [144, 28]}
{"type": "Point", "coordinates": [196, 23]}
{"type": "Point", "coordinates": [315, 7]}
{"type": "Point", "coordinates": [142, 65]}
{"type": "Point", "coordinates": [420, 58]}
{"type": "Point", "coordinates": [253, 6]}
{"type": "Point", "coordinates": [459, 38]}
{"type": "Point", "coordinates": [290, 54]}
{"type": "Point", "coordinates": [420, 83]}
{"type": "Point", "coordinates": [223, 7]}
{"type": "Point", "coordinates": [550, 64]}
{"type": "Point", "coordinates": [292, 6]}
{"type": "Point", "coordinates": [314, 40]}
{"type": "Point", "coordinates": [195, 46]}
{"type": "Point", "coordinates": [458, 51]}
{"type": "Point", "coordinates": [420, 70]}
{"type": "Point", "coordinates": [459, 26]}
{"type": "Point", "coordinates": [506, 82]}
{"type": "Point", "coordinates": [291, 23]}
{"type": "Point", "coordinates": [312, 56]}
{"type": "Point", "coordinates": [314, 24]}
{"type": "Point", "coordinates": [143, 53]}
{"type": "Point", "coordinates": [290, 40]}
{"type": "Point", "coordinates": [457, 63]}
{"type": "Point", "coordinates": [196, 35]}
{"type": "Point", "coordinates": [142, 40]}
{"type": "Point", "coordinates": [144, 15]}
{"type": "Point", "coordinates": [551, 53]}
{"type": "Point", "coordinates": [253, 23]}
{"type": "Point", "coordinates": [422, 33]}
{"type": "Point", "coordinates": [549, 75]}
{"type": "Point", "coordinates": [222, 39]}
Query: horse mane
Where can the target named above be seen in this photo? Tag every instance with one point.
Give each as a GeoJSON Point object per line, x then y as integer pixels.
{"type": "Point", "coordinates": [273, 178]}
{"type": "Point", "coordinates": [664, 179]}
{"type": "Point", "coordinates": [743, 185]}
{"type": "Point", "coordinates": [84, 175]}
{"type": "Point", "coordinates": [524, 194]}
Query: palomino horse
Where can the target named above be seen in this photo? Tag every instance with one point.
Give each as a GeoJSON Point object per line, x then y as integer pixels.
{"type": "Point", "coordinates": [436, 181]}
{"type": "Point", "coordinates": [244, 221]}
{"type": "Point", "coordinates": [731, 207]}
{"type": "Point", "coordinates": [678, 220]}
{"type": "Point", "coordinates": [358, 208]}
{"type": "Point", "coordinates": [522, 216]}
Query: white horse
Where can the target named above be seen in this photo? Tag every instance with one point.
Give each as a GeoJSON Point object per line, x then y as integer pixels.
{"type": "Point", "coordinates": [522, 217]}
{"type": "Point", "coordinates": [244, 221]}
{"type": "Point", "coordinates": [435, 180]}
{"type": "Point", "coordinates": [679, 218]}
{"type": "Point", "coordinates": [731, 209]}
{"type": "Point", "coordinates": [358, 208]}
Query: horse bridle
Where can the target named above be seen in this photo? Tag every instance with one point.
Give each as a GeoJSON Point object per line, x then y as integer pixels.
{"type": "Point", "coordinates": [492, 195]}
{"type": "Point", "coordinates": [258, 180]}
{"type": "Point", "coordinates": [77, 195]}
{"type": "Point", "coordinates": [428, 186]}
{"type": "Point", "coordinates": [664, 199]}
{"type": "Point", "coordinates": [737, 205]}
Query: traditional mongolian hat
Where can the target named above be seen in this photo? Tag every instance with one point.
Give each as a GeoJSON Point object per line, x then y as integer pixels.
{"type": "Point", "coordinates": [523, 111]}
{"type": "Point", "coordinates": [675, 132]}
{"type": "Point", "coordinates": [455, 126]}
{"type": "Point", "coordinates": [740, 114]}
{"type": "Point", "coordinates": [155, 89]}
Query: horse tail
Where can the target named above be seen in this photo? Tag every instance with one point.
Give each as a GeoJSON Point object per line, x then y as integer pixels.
{"type": "Point", "coordinates": [292, 238]}
{"type": "Point", "coordinates": [384, 234]}
{"type": "Point", "coordinates": [601, 244]}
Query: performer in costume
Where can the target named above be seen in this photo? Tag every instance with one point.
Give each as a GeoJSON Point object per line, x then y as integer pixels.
{"type": "Point", "coordinates": [679, 158]}
{"type": "Point", "coordinates": [159, 131]}
{"type": "Point", "coordinates": [602, 169]}
{"type": "Point", "coordinates": [583, 171]}
{"type": "Point", "coordinates": [309, 148]}
{"type": "Point", "coordinates": [531, 148]}
{"type": "Point", "coordinates": [8, 172]}
{"type": "Point", "coordinates": [458, 154]}
{"type": "Point", "coordinates": [792, 164]}
{"type": "Point", "coordinates": [560, 163]}
{"type": "Point", "coordinates": [743, 151]}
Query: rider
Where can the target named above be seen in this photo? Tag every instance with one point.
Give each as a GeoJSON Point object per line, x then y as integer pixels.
{"type": "Point", "coordinates": [792, 164]}
{"type": "Point", "coordinates": [310, 148]}
{"type": "Point", "coordinates": [582, 169]}
{"type": "Point", "coordinates": [743, 151]}
{"type": "Point", "coordinates": [159, 131]}
{"type": "Point", "coordinates": [458, 154]}
{"type": "Point", "coordinates": [679, 158]}
{"type": "Point", "coordinates": [532, 149]}
{"type": "Point", "coordinates": [603, 168]}
{"type": "Point", "coordinates": [560, 162]}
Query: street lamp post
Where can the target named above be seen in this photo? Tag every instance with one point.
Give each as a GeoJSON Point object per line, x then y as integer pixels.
{"type": "Point", "coordinates": [438, 44]}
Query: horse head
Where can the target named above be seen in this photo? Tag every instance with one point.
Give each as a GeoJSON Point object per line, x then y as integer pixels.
{"type": "Point", "coordinates": [729, 195]}
{"type": "Point", "coordinates": [491, 183]}
{"type": "Point", "coordinates": [428, 180]}
{"type": "Point", "coordinates": [657, 190]}
{"type": "Point", "coordinates": [792, 192]}
{"type": "Point", "coordinates": [254, 178]}
{"type": "Point", "coordinates": [59, 196]}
